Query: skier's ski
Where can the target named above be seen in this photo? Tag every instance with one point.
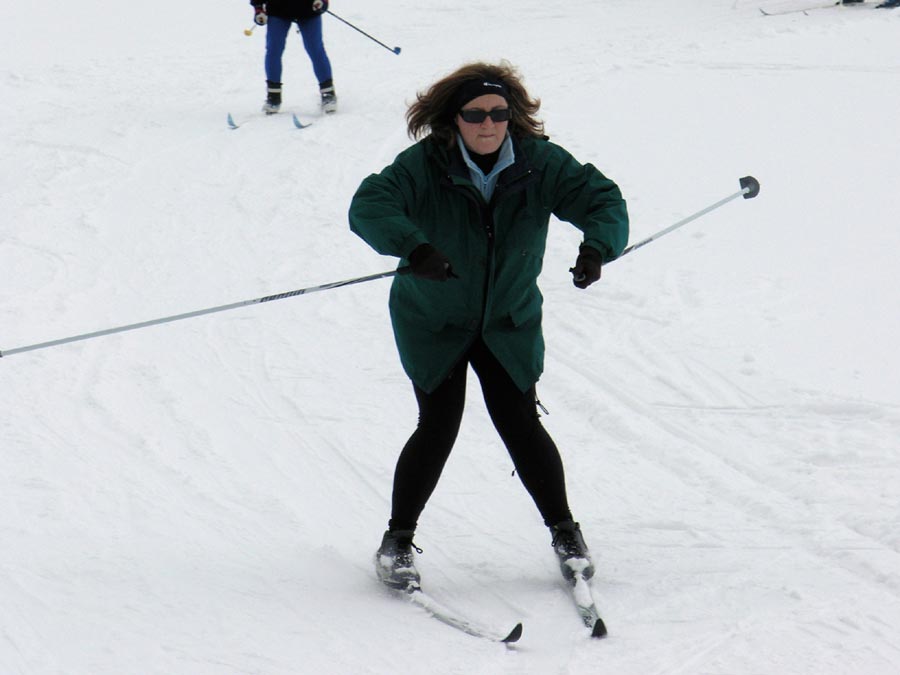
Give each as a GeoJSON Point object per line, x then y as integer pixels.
{"type": "Point", "coordinates": [804, 10]}
{"type": "Point", "coordinates": [237, 125]}
{"type": "Point", "coordinates": [796, 10]}
{"type": "Point", "coordinates": [418, 597]}
{"type": "Point", "coordinates": [587, 606]}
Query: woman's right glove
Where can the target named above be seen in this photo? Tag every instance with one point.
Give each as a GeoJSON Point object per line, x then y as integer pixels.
{"type": "Point", "coordinates": [260, 17]}
{"type": "Point", "coordinates": [426, 262]}
{"type": "Point", "coordinates": [587, 267]}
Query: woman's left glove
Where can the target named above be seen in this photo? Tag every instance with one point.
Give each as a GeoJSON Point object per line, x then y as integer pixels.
{"type": "Point", "coordinates": [587, 267]}
{"type": "Point", "coordinates": [260, 17]}
{"type": "Point", "coordinates": [320, 6]}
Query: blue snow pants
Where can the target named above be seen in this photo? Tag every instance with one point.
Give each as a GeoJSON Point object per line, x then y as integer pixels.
{"type": "Point", "coordinates": [311, 32]}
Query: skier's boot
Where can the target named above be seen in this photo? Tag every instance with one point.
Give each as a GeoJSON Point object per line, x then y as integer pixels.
{"type": "Point", "coordinates": [329, 98]}
{"type": "Point", "coordinates": [394, 560]}
{"type": "Point", "coordinates": [573, 554]}
{"type": "Point", "coordinates": [273, 98]}
{"type": "Point", "coordinates": [888, 4]}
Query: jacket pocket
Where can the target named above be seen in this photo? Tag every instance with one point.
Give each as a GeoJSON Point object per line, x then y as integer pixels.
{"type": "Point", "coordinates": [526, 313]}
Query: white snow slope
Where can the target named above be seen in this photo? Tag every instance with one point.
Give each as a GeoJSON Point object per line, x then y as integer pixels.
{"type": "Point", "coordinates": [205, 496]}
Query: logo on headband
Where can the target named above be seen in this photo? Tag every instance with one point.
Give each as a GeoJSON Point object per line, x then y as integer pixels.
{"type": "Point", "coordinates": [474, 88]}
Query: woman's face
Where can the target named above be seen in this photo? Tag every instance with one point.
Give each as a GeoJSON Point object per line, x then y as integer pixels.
{"type": "Point", "coordinates": [485, 137]}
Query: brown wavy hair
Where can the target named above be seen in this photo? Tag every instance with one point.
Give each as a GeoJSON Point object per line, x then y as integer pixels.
{"type": "Point", "coordinates": [433, 110]}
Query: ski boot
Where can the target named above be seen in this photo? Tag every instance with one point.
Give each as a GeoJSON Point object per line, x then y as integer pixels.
{"type": "Point", "coordinates": [273, 98]}
{"type": "Point", "coordinates": [568, 544]}
{"type": "Point", "coordinates": [394, 560]}
{"type": "Point", "coordinates": [329, 98]}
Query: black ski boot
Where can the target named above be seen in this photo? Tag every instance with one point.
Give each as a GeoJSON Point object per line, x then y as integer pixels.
{"type": "Point", "coordinates": [329, 98]}
{"type": "Point", "coordinates": [273, 98]}
{"type": "Point", "coordinates": [573, 554]}
{"type": "Point", "coordinates": [394, 560]}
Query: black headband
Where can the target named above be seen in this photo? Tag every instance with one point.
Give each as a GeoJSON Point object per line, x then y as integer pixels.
{"type": "Point", "coordinates": [472, 89]}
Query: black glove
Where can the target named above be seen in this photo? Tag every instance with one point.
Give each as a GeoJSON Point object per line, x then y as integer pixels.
{"type": "Point", "coordinates": [426, 262]}
{"type": "Point", "coordinates": [320, 6]}
{"type": "Point", "coordinates": [260, 17]}
{"type": "Point", "coordinates": [587, 267]}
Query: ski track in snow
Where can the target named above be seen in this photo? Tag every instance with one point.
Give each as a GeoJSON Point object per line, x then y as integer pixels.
{"type": "Point", "coordinates": [205, 496]}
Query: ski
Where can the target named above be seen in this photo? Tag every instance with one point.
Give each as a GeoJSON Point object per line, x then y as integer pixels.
{"type": "Point", "coordinates": [583, 597]}
{"type": "Point", "coordinates": [232, 124]}
{"type": "Point", "coordinates": [437, 610]}
{"type": "Point", "coordinates": [804, 10]}
{"type": "Point", "coordinates": [797, 10]}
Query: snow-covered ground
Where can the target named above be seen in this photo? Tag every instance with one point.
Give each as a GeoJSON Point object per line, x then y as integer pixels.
{"type": "Point", "coordinates": [204, 497]}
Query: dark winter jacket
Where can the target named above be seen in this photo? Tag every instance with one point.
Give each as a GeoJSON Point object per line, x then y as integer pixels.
{"type": "Point", "coordinates": [289, 9]}
{"type": "Point", "coordinates": [496, 249]}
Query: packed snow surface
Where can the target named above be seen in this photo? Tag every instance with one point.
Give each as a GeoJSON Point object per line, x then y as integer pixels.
{"type": "Point", "coordinates": [205, 496]}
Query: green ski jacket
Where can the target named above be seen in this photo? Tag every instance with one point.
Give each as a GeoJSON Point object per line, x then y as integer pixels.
{"type": "Point", "coordinates": [496, 249]}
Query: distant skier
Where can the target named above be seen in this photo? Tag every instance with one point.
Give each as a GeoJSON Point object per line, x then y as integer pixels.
{"type": "Point", "coordinates": [467, 208]}
{"type": "Point", "coordinates": [278, 16]}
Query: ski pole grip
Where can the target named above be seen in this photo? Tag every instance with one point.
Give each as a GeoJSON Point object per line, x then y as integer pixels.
{"type": "Point", "coordinates": [750, 187]}
{"type": "Point", "coordinates": [404, 270]}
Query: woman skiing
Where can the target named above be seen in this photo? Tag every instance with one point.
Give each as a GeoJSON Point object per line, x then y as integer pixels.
{"type": "Point", "coordinates": [467, 209]}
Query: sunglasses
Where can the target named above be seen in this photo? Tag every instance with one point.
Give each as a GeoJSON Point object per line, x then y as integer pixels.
{"type": "Point", "coordinates": [479, 116]}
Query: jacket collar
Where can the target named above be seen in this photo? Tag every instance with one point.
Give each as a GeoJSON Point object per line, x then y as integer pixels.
{"type": "Point", "coordinates": [487, 183]}
{"type": "Point", "coordinates": [451, 162]}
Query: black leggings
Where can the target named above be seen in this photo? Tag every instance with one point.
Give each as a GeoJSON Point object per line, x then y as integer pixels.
{"type": "Point", "coordinates": [515, 417]}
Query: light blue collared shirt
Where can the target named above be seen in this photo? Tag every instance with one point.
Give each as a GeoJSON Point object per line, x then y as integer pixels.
{"type": "Point", "coordinates": [486, 184]}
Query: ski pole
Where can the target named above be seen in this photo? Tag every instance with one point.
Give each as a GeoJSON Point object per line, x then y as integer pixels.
{"type": "Point", "coordinates": [749, 189]}
{"type": "Point", "coordinates": [201, 312]}
{"type": "Point", "coordinates": [249, 31]}
{"type": "Point", "coordinates": [396, 50]}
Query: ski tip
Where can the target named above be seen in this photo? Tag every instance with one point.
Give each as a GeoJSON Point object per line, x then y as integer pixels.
{"type": "Point", "coordinates": [750, 187]}
{"type": "Point", "coordinates": [599, 629]}
{"type": "Point", "coordinates": [231, 122]}
{"type": "Point", "coordinates": [514, 635]}
{"type": "Point", "coordinates": [298, 123]}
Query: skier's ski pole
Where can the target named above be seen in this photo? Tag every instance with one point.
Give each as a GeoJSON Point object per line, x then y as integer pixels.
{"type": "Point", "coordinates": [201, 312]}
{"type": "Point", "coordinates": [396, 50]}
{"type": "Point", "coordinates": [249, 31]}
{"type": "Point", "coordinates": [749, 189]}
